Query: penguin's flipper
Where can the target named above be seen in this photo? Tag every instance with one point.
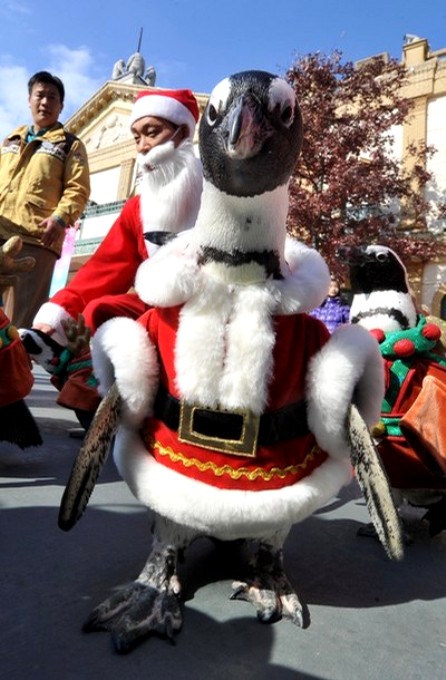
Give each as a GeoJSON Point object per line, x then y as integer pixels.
{"type": "Point", "coordinates": [374, 485]}
{"type": "Point", "coordinates": [90, 460]}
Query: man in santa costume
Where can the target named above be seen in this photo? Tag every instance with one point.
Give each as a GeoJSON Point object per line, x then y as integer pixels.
{"type": "Point", "coordinates": [163, 124]}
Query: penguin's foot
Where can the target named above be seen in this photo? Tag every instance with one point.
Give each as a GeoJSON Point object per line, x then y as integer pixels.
{"type": "Point", "coordinates": [148, 606]}
{"type": "Point", "coordinates": [268, 589]}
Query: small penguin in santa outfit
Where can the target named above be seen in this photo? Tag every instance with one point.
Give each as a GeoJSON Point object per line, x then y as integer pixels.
{"type": "Point", "coordinates": [410, 432]}
{"type": "Point", "coordinates": [232, 401]}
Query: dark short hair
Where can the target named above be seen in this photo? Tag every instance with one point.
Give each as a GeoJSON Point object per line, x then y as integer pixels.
{"type": "Point", "coordinates": [48, 79]}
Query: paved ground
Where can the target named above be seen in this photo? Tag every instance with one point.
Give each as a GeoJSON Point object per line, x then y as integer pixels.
{"type": "Point", "coordinates": [370, 619]}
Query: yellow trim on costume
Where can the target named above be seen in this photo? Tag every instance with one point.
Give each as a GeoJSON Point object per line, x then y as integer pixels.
{"type": "Point", "coordinates": [235, 473]}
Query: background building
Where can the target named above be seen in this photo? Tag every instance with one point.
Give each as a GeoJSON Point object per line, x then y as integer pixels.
{"type": "Point", "coordinates": [102, 124]}
{"type": "Point", "coordinates": [426, 86]}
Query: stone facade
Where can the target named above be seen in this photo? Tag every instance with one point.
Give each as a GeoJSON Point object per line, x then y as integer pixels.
{"type": "Point", "coordinates": [426, 86]}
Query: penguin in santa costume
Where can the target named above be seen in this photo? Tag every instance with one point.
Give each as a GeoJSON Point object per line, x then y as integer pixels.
{"type": "Point", "coordinates": [410, 432]}
{"type": "Point", "coordinates": [233, 405]}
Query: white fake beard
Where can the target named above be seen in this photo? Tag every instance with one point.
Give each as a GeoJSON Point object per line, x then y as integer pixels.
{"type": "Point", "coordinates": [171, 190]}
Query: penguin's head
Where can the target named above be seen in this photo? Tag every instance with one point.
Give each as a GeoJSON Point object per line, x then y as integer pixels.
{"type": "Point", "coordinates": [250, 134]}
{"type": "Point", "coordinates": [381, 293]}
{"type": "Point", "coordinates": [375, 268]}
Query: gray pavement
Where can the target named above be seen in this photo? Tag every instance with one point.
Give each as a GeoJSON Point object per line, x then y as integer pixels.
{"type": "Point", "coordinates": [370, 618]}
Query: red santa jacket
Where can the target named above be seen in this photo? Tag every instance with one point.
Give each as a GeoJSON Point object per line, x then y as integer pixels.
{"type": "Point", "coordinates": [111, 269]}
{"type": "Point", "coordinates": [283, 463]}
{"type": "Point", "coordinates": [244, 346]}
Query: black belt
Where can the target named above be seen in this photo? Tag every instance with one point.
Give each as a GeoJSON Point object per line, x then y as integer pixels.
{"type": "Point", "coordinates": [287, 422]}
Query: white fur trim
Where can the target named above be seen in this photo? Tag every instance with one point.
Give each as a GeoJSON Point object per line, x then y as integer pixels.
{"type": "Point", "coordinates": [224, 514]}
{"type": "Point", "coordinates": [162, 106]}
{"type": "Point", "coordinates": [348, 367]}
{"type": "Point", "coordinates": [122, 351]}
{"type": "Point", "coordinates": [172, 277]}
{"type": "Point", "coordinates": [305, 284]}
{"type": "Point", "coordinates": [53, 314]}
{"type": "Point", "coordinates": [224, 348]}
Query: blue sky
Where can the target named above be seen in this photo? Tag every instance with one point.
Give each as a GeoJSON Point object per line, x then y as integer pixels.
{"type": "Point", "coordinates": [192, 43]}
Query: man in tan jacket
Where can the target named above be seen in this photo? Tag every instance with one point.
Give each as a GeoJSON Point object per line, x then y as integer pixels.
{"type": "Point", "coordinates": [44, 187]}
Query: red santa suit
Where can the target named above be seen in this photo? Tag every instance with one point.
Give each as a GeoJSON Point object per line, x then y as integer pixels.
{"type": "Point", "coordinates": [171, 186]}
{"type": "Point", "coordinates": [99, 290]}
{"type": "Point", "coordinates": [235, 348]}
{"type": "Point", "coordinates": [279, 460]}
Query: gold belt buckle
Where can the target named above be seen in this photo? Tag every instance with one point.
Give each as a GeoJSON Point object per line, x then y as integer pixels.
{"type": "Point", "coordinates": [246, 445]}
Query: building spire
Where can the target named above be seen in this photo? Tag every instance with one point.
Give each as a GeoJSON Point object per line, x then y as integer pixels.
{"type": "Point", "coordinates": [134, 70]}
{"type": "Point", "coordinates": [138, 49]}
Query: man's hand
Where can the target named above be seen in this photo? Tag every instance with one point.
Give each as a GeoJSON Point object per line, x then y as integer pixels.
{"type": "Point", "coordinates": [53, 230]}
{"type": "Point", "coordinates": [10, 265]}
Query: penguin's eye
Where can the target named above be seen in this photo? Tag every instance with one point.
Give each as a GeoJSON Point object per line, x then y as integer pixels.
{"type": "Point", "coordinates": [285, 112]}
{"type": "Point", "coordinates": [282, 99]}
{"type": "Point", "coordinates": [211, 114]}
{"type": "Point", "coordinates": [287, 115]}
{"type": "Point", "coordinates": [381, 257]}
{"type": "Point", "coordinates": [218, 101]}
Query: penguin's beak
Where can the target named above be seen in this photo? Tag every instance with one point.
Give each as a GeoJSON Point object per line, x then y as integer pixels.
{"type": "Point", "coordinates": [246, 130]}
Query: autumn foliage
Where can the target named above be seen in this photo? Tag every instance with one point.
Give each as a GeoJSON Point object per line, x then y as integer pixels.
{"type": "Point", "coordinates": [348, 187]}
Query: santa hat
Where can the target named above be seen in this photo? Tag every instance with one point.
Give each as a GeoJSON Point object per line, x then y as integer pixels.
{"type": "Point", "coordinates": [177, 106]}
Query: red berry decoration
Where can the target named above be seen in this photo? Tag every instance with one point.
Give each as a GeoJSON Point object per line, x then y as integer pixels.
{"type": "Point", "coordinates": [404, 348]}
{"type": "Point", "coordinates": [378, 334]}
{"type": "Point", "coordinates": [431, 332]}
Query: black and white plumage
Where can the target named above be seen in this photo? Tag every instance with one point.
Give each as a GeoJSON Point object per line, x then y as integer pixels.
{"type": "Point", "coordinates": [250, 135]}
{"type": "Point", "coordinates": [380, 287]}
{"type": "Point", "coordinates": [383, 303]}
{"type": "Point", "coordinates": [234, 275]}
